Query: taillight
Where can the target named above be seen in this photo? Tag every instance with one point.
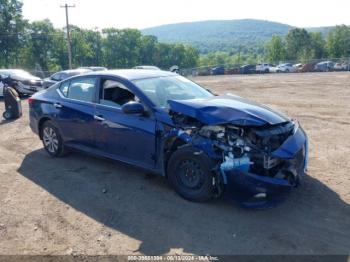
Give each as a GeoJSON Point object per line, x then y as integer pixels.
{"type": "Point", "coordinates": [30, 100]}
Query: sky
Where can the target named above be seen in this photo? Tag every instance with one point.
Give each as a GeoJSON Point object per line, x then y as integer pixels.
{"type": "Point", "coordinates": [148, 13]}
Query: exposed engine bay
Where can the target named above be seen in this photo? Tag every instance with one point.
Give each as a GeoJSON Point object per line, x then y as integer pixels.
{"type": "Point", "coordinates": [244, 149]}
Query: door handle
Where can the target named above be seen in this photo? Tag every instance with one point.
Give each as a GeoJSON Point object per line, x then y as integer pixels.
{"type": "Point", "coordinates": [57, 105]}
{"type": "Point", "coordinates": [99, 118]}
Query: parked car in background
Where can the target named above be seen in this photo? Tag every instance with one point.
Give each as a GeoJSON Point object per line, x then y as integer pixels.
{"type": "Point", "coordinates": [298, 66]}
{"type": "Point", "coordinates": [273, 69]}
{"type": "Point", "coordinates": [285, 68]}
{"type": "Point", "coordinates": [61, 75]}
{"type": "Point", "coordinates": [325, 66]}
{"type": "Point", "coordinates": [174, 69]}
{"type": "Point", "coordinates": [346, 66]}
{"type": "Point", "coordinates": [94, 68]}
{"type": "Point", "coordinates": [232, 70]}
{"type": "Point", "coordinates": [1, 88]}
{"type": "Point", "coordinates": [338, 67]}
{"type": "Point", "coordinates": [207, 146]}
{"type": "Point", "coordinates": [23, 82]}
{"type": "Point", "coordinates": [247, 69]}
{"type": "Point", "coordinates": [218, 70]}
{"type": "Point", "coordinates": [263, 68]}
{"type": "Point", "coordinates": [310, 67]}
{"type": "Point", "coordinates": [203, 71]}
{"type": "Point", "coordinates": [146, 67]}
{"type": "Point", "coordinates": [341, 67]}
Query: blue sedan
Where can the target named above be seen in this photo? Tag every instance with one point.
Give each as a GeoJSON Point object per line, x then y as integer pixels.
{"type": "Point", "coordinates": [206, 145]}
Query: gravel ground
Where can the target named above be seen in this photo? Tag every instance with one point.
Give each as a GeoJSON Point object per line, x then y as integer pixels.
{"type": "Point", "coordinates": [85, 205]}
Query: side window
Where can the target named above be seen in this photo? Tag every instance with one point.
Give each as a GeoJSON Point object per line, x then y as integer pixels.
{"type": "Point", "coordinates": [64, 88]}
{"type": "Point", "coordinates": [56, 77]}
{"type": "Point", "coordinates": [63, 76]}
{"type": "Point", "coordinates": [115, 94]}
{"type": "Point", "coordinates": [82, 89]}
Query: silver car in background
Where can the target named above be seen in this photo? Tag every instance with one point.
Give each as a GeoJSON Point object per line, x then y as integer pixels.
{"type": "Point", "coordinates": [24, 82]}
{"type": "Point", "coordinates": [286, 68]}
{"type": "Point", "coordinates": [61, 75]}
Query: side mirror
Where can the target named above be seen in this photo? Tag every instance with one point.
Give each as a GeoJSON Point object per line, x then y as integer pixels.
{"type": "Point", "coordinates": [133, 108]}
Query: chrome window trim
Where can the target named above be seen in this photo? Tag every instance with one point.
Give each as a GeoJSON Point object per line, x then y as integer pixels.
{"type": "Point", "coordinates": [72, 99]}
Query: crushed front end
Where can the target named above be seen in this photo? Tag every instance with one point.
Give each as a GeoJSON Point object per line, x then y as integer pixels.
{"type": "Point", "coordinates": [256, 165]}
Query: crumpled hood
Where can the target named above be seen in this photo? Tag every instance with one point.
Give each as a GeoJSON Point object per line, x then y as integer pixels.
{"type": "Point", "coordinates": [227, 109]}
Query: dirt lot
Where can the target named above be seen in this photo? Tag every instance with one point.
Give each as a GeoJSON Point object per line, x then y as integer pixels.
{"type": "Point", "coordinates": [83, 205]}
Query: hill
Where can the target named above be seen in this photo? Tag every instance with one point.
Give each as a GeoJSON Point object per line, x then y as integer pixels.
{"type": "Point", "coordinates": [221, 35]}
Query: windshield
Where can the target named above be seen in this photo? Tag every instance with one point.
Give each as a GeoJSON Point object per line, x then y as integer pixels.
{"type": "Point", "coordinates": [161, 89]}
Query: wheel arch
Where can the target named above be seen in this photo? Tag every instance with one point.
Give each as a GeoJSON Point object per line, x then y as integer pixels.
{"type": "Point", "coordinates": [169, 147]}
{"type": "Point", "coordinates": [40, 124]}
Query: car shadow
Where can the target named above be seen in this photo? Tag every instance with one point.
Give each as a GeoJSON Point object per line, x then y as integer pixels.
{"type": "Point", "coordinates": [314, 219]}
{"type": "Point", "coordinates": [4, 121]}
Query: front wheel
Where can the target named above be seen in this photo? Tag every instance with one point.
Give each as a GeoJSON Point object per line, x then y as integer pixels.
{"type": "Point", "coordinates": [52, 140]}
{"type": "Point", "coordinates": [189, 172]}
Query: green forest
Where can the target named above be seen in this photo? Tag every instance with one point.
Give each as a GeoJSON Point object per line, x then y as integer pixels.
{"type": "Point", "coordinates": [40, 46]}
{"type": "Point", "coordinates": [299, 45]}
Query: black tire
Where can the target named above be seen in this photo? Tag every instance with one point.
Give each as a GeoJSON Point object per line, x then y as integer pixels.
{"type": "Point", "coordinates": [7, 115]}
{"type": "Point", "coordinates": [50, 133]}
{"type": "Point", "coordinates": [267, 71]}
{"type": "Point", "coordinates": [189, 172]}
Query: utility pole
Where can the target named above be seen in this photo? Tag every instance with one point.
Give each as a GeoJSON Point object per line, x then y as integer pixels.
{"type": "Point", "coordinates": [66, 6]}
{"type": "Point", "coordinates": [239, 55]}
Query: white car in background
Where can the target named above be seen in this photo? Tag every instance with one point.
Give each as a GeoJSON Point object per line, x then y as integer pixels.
{"type": "Point", "coordinates": [263, 68]}
{"type": "Point", "coordinates": [146, 67]}
{"type": "Point", "coordinates": [1, 89]}
{"type": "Point", "coordinates": [286, 68]}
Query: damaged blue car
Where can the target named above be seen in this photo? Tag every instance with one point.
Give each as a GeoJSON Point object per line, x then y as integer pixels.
{"type": "Point", "coordinates": [206, 145]}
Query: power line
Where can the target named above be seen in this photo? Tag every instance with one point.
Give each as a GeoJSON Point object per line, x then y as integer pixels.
{"type": "Point", "coordinates": [66, 6]}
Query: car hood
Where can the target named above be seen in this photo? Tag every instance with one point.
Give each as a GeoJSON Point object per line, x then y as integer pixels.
{"type": "Point", "coordinates": [29, 78]}
{"type": "Point", "coordinates": [227, 109]}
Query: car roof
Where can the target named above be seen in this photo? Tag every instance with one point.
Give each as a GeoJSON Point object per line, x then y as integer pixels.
{"type": "Point", "coordinates": [73, 71]}
{"type": "Point", "coordinates": [134, 74]}
{"type": "Point", "coordinates": [146, 67]}
{"type": "Point", "coordinates": [94, 68]}
{"type": "Point", "coordinates": [12, 70]}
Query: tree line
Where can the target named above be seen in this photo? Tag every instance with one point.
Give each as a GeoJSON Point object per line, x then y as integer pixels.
{"type": "Point", "coordinates": [40, 46]}
{"type": "Point", "coordinates": [301, 45]}
{"type": "Point", "coordinates": [298, 45]}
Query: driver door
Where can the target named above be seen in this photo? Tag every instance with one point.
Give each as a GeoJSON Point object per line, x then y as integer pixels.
{"type": "Point", "coordinates": [126, 137]}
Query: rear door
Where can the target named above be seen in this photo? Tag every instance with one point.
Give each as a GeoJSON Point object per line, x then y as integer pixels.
{"type": "Point", "coordinates": [127, 137]}
{"type": "Point", "coordinates": [76, 109]}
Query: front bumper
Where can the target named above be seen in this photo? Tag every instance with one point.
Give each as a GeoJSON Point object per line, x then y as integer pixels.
{"type": "Point", "coordinates": [28, 89]}
{"type": "Point", "coordinates": [244, 186]}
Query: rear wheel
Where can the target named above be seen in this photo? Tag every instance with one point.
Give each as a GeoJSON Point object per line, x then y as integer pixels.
{"type": "Point", "coordinates": [7, 115]}
{"type": "Point", "coordinates": [189, 172]}
{"type": "Point", "coordinates": [52, 140]}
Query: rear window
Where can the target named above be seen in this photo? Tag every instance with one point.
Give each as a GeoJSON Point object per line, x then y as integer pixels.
{"type": "Point", "coordinates": [82, 89]}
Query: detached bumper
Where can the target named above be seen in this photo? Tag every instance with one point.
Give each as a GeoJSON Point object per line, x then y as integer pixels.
{"type": "Point", "coordinates": [243, 185]}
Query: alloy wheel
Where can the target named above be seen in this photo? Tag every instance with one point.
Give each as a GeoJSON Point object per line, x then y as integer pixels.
{"type": "Point", "coordinates": [50, 140]}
